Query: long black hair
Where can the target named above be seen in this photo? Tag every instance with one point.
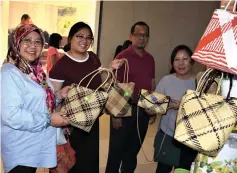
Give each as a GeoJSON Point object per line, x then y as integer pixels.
{"type": "Point", "coordinates": [175, 51]}
{"type": "Point", "coordinates": [77, 27]}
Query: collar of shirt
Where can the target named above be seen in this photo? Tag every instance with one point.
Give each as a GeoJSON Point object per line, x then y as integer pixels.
{"type": "Point", "coordinates": [132, 51]}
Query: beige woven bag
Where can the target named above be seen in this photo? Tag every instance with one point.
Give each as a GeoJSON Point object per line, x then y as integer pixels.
{"type": "Point", "coordinates": [120, 95]}
{"type": "Point", "coordinates": [83, 105]}
{"type": "Point", "coordinates": [205, 121]}
{"type": "Point", "coordinates": [153, 102]}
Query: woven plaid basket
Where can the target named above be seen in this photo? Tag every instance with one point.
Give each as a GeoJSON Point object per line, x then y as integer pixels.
{"type": "Point", "coordinates": [83, 105]}
{"type": "Point", "coordinates": [152, 102]}
{"type": "Point", "coordinates": [218, 46]}
{"type": "Point", "coordinates": [120, 95]}
{"type": "Point", "coordinates": [205, 121]}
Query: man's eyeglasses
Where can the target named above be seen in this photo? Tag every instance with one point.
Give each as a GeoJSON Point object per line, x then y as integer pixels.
{"type": "Point", "coordinates": [29, 42]}
{"type": "Point", "coordinates": [141, 35]}
{"type": "Point", "coordinates": [82, 38]}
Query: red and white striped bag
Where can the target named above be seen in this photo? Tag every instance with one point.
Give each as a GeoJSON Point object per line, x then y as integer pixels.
{"type": "Point", "coordinates": [218, 46]}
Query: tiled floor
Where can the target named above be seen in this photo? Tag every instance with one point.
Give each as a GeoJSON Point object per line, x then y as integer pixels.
{"type": "Point", "coordinates": [143, 165]}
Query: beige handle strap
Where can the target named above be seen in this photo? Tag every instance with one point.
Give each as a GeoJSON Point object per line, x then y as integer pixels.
{"type": "Point", "coordinates": [126, 71]}
{"type": "Point", "coordinates": [105, 81]}
{"type": "Point", "coordinates": [98, 72]}
{"type": "Point", "coordinates": [228, 4]}
{"type": "Point", "coordinates": [203, 80]}
{"type": "Point", "coordinates": [219, 84]}
{"type": "Point", "coordinates": [110, 74]}
{"type": "Point", "coordinates": [113, 79]}
{"type": "Point", "coordinates": [88, 75]}
{"type": "Point", "coordinates": [95, 72]}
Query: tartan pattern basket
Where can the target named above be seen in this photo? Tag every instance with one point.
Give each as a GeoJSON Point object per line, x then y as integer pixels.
{"type": "Point", "coordinates": [120, 95]}
{"type": "Point", "coordinates": [83, 105]}
{"type": "Point", "coordinates": [218, 46]}
{"type": "Point", "coordinates": [152, 102]}
{"type": "Point", "coordinates": [205, 121]}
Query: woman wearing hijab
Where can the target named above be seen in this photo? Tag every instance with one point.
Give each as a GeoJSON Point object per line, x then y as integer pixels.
{"type": "Point", "coordinates": [27, 106]}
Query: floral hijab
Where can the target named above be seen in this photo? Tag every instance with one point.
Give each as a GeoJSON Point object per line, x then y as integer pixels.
{"type": "Point", "coordinates": [34, 70]}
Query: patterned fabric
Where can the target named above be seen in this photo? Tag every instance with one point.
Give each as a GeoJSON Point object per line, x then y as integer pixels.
{"type": "Point", "coordinates": [120, 100]}
{"type": "Point", "coordinates": [224, 162]}
{"type": "Point", "coordinates": [34, 70]}
{"type": "Point", "coordinates": [13, 55]}
{"type": "Point", "coordinates": [120, 94]}
{"type": "Point", "coordinates": [218, 46]}
{"type": "Point", "coordinates": [203, 118]}
{"type": "Point", "coordinates": [152, 102]}
{"type": "Point", "coordinates": [65, 158]}
{"type": "Point", "coordinates": [83, 105]}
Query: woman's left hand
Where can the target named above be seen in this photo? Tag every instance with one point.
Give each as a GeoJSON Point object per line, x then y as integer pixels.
{"type": "Point", "coordinates": [174, 104]}
{"type": "Point", "coordinates": [61, 94]}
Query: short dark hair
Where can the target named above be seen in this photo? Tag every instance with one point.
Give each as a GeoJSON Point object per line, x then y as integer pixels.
{"type": "Point", "coordinates": [77, 27]}
{"type": "Point", "coordinates": [54, 40]}
{"type": "Point", "coordinates": [141, 23]}
{"type": "Point", "coordinates": [175, 51]}
{"type": "Point", "coordinates": [24, 17]}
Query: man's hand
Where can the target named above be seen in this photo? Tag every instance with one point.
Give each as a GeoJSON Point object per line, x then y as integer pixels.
{"type": "Point", "coordinates": [116, 64]}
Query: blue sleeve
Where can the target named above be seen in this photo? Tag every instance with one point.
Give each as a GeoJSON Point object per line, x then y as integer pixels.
{"type": "Point", "coordinates": [160, 88]}
{"type": "Point", "coordinates": [13, 113]}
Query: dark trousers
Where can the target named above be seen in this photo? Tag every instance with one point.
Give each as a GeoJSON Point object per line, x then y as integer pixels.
{"type": "Point", "coordinates": [163, 168]}
{"type": "Point", "coordinates": [124, 143]}
{"type": "Point", "coordinates": [23, 169]}
{"type": "Point", "coordinates": [86, 146]}
{"type": "Point", "coordinates": [187, 156]}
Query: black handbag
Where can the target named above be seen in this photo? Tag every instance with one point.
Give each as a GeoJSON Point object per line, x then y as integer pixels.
{"type": "Point", "coordinates": [167, 150]}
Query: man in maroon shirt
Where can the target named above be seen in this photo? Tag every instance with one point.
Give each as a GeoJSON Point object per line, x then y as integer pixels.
{"type": "Point", "coordinates": [124, 141]}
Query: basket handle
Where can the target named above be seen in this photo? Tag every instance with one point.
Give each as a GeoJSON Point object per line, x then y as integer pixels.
{"type": "Point", "coordinates": [97, 71]}
{"type": "Point", "coordinates": [234, 7]}
{"type": "Point", "coordinates": [205, 78]}
{"type": "Point", "coordinates": [126, 71]}
{"type": "Point", "coordinates": [113, 79]}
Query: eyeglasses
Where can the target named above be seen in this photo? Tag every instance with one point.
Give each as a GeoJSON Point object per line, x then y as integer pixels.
{"type": "Point", "coordinates": [29, 42]}
{"type": "Point", "coordinates": [82, 38]}
{"type": "Point", "coordinates": [141, 35]}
